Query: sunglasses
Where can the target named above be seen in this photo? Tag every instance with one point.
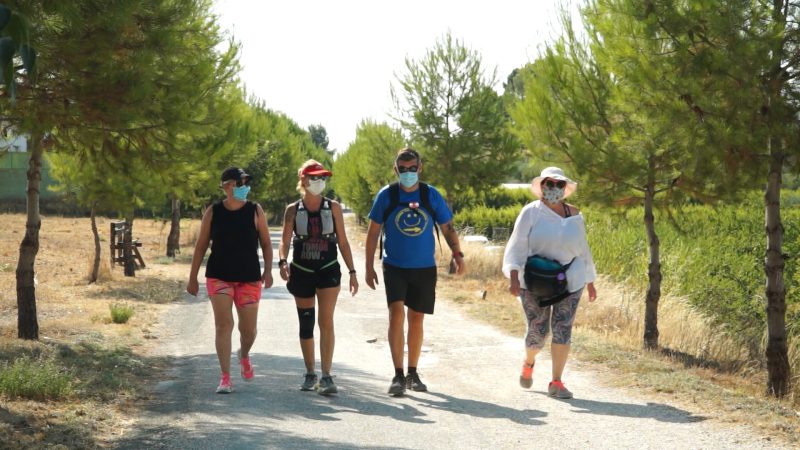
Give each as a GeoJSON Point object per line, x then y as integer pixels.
{"type": "Point", "coordinates": [317, 177]}
{"type": "Point", "coordinates": [239, 182]}
{"type": "Point", "coordinates": [551, 184]}
{"type": "Point", "coordinates": [403, 169]}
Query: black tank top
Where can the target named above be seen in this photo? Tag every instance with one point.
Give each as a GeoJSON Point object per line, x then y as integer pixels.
{"type": "Point", "coordinates": [234, 244]}
{"type": "Point", "coordinates": [314, 251]}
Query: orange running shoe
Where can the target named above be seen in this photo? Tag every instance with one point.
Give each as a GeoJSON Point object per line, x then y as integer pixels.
{"type": "Point", "coordinates": [526, 377]}
{"type": "Point", "coordinates": [557, 389]}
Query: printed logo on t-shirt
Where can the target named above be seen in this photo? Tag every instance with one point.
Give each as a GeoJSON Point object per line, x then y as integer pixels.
{"type": "Point", "coordinates": [411, 221]}
{"type": "Point", "coordinates": [314, 246]}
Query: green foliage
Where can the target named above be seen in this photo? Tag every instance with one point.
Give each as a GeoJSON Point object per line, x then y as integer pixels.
{"type": "Point", "coordinates": [34, 379]}
{"type": "Point", "coordinates": [712, 260]}
{"type": "Point", "coordinates": [455, 118]}
{"type": "Point", "coordinates": [366, 166]}
{"type": "Point", "coordinates": [493, 223]}
{"type": "Point", "coordinates": [496, 197]}
{"type": "Point", "coordinates": [134, 127]}
{"type": "Point", "coordinates": [319, 135]}
{"type": "Point", "coordinates": [15, 41]}
{"type": "Point", "coordinates": [120, 313]}
{"type": "Point", "coordinates": [281, 148]}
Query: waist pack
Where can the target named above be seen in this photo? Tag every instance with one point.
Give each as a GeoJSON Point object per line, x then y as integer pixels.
{"type": "Point", "coordinates": [546, 279]}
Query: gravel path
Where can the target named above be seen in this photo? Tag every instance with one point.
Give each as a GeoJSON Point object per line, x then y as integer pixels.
{"type": "Point", "coordinates": [471, 370]}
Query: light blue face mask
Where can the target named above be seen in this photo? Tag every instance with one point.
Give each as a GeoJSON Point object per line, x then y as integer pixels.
{"type": "Point", "coordinates": [240, 192]}
{"type": "Point", "coordinates": [408, 179]}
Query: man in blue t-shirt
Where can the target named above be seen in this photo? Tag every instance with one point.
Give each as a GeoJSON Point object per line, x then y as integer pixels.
{"type": "Point", "coordinates": [409, 260]}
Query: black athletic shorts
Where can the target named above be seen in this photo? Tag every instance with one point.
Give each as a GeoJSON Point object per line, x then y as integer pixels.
{"type": "Point", "coordinates": [304, 282]}
{"type": "Point", "coordinates": [417, 287]}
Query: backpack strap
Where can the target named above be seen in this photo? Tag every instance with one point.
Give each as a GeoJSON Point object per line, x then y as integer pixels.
{"type": "Point", "coordinates": [300, 220]}
{"type": "Point", "coordinates": [394, 202]}
{"type": "Point", "coordinates": [326, 215]}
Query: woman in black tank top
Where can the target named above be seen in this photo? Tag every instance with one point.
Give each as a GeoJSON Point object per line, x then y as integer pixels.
{"type": "Point", "coordinates": [314, 275]}
{"type": "Point", "coordinates": [234, 227]}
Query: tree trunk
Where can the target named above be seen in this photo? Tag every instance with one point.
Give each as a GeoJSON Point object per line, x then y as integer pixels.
{"type": "Point", "coordinates": [96, 264]}
{"type": "Point", "coordinates": [127, 249]}
{"type": "Point", "coordinates": [174, 238]}
{"type": "Point", "coordinates": [653, 269]}
{"type": "Point", "coordinates": [27, 323]}
{"type": "Point", "coordinates": [777, 350]}
{"type": "Point", "coordinates": [778, 369]}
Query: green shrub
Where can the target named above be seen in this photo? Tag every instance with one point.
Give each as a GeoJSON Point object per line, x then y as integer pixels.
{"type": "Point", "coordinates": [120, 313]}
{"type": "Point", "coordinates": [498, 197]}
{"type": "Point", "coordinates": [493, 223]}
{"type": "Point", "coordinates": [715, 260]}
{"type": "Point", "coordinates": [34, 379]}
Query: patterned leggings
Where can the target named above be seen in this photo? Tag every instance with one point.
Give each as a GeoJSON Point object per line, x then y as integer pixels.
{"type": "Point", "coordinates": [539, 318]}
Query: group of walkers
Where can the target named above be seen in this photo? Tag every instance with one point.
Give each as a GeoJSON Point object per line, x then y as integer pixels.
{"type": "Point", "coordinates": [403, 218]}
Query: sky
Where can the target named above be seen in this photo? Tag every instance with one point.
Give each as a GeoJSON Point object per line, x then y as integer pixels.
{"type": "Point", "coordinates": [332, 63]}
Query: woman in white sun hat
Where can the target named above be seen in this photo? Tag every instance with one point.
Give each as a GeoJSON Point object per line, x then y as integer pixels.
{"type": "Point", "coordinates": [553, 229]}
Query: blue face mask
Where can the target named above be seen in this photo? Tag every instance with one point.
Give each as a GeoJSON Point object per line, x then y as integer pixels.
{"type": "Point", "coordinates": [408, 179]}
{"type": "Point", "coordinates": [240, 193]}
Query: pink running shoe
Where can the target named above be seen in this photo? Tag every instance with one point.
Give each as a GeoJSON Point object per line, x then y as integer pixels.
{"type": "Point", "coordinates": [247, 368]}
{"type": "Point", "coordinates": [225, 385]}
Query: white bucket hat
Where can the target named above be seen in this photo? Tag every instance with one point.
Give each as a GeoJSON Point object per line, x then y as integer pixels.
{"type": "Point", "coordinates": [556, 174]}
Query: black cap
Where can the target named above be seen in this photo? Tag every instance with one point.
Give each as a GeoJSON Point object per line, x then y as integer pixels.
{"type": "Point", "coordinates": [234, 173]}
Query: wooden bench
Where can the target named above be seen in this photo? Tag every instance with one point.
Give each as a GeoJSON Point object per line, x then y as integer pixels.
{"type": "Point", "coordinates": [117, 243]}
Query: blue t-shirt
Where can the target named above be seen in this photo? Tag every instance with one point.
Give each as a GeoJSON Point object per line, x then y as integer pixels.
{"type": "Point", "coordinates": [409, 240]}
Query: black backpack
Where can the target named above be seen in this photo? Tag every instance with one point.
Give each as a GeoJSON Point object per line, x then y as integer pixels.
{"type": "Point", "coordinates": [394, 202]}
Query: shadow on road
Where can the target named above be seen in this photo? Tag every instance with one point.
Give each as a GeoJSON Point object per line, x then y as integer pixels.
{"type": "Point", "coordinates": [657, 411]}
{"type": "Point", "coordinates": [271, 398]}
{"type": "Point", "coordinates": [481, 409]}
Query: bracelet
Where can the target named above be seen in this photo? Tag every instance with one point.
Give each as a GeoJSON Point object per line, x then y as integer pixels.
{"type": "Point", "coordinates": [282, 262]}
{"type": "Point", "coordinates": [352, 271]}
{"type": "Point", "coordinates": [461, 254]}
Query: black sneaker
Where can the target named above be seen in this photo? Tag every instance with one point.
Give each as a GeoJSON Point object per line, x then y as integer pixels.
{"type": "Point", "coordinates": [309, 382]}
{"type": "Point", "coordinates": [398, 386]}
{"type": "Point", "coordinates": [326, 386]}
{"type": "Point", "coordinates": [415, 384]}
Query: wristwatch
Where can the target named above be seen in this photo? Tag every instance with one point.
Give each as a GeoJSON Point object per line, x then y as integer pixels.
{"type": "Point", "coordinates": [281, 262]}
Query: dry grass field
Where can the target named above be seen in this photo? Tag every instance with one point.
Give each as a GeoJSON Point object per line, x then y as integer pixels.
{"type": "Point", "coordinates": [105, 363]}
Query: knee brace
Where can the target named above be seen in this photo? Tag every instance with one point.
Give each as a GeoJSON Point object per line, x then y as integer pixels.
{"type": "Point", "coordinates": [306, 316]}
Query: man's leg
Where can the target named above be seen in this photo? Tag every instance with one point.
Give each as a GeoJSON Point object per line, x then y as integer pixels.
{"type": "Point", "coordinates": [396, 334]}
{"type": "Point", "coordinates": [415, 336]}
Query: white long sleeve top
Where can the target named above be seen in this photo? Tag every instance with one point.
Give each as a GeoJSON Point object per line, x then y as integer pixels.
{"type": "Point", "coordinates": [540, 231]}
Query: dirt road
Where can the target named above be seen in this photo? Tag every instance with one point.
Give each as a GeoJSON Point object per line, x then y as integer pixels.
{"type": "Point", "coordinates": [470, 368]}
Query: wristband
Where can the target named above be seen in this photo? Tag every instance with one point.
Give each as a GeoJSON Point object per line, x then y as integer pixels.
{"type": "Point", "coordinates": [353, 272]}
{"type": "Point", "coordinates": [282, 262]}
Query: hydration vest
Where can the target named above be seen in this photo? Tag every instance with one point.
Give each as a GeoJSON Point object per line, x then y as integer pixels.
{"type": "Point", "coordinates": [326, 216]}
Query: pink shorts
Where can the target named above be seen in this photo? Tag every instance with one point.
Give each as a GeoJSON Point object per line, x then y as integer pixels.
{"type": "Point", "coordinates": [242, 293]}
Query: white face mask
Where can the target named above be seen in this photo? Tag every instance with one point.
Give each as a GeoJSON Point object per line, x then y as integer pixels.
{"type": "Point", "coordinates": [552, 195]}
{"type": "Point", "coordinates": [316, 187]}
